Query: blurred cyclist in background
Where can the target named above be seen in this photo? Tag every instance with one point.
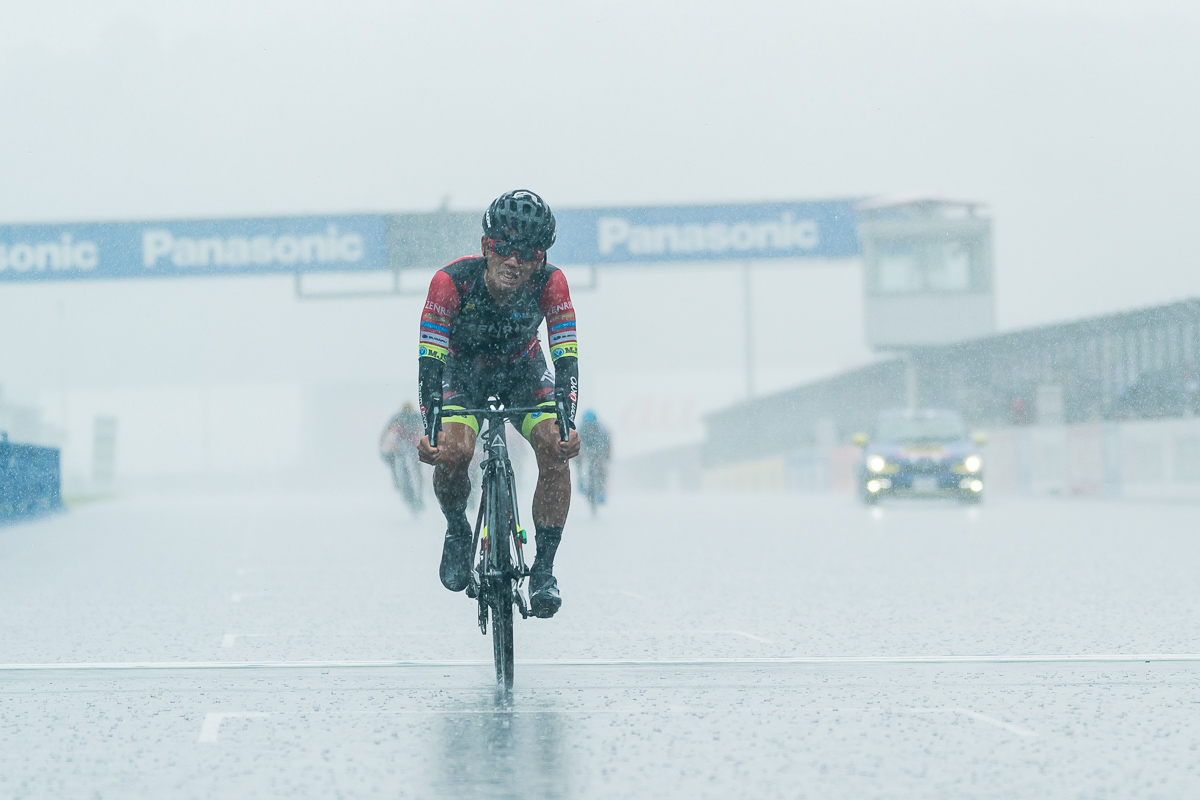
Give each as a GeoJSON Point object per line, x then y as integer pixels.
{"type": "Point", "coordinates": [597, 450]}
{"type": "Point", "coordinates": [398, 448]}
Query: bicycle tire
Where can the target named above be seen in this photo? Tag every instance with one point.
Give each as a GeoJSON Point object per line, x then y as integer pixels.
{"type": "Point", "coordinates": [500, 590]}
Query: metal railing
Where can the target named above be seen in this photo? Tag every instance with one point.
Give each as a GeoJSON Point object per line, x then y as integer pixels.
{"type": "Point", "coordinates": [1142, 364]}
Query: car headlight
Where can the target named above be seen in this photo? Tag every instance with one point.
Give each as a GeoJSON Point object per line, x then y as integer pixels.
{"type": "Point", "coordinates": [973, 463]}
{"type": "Point", "coordinates": [876, 463]}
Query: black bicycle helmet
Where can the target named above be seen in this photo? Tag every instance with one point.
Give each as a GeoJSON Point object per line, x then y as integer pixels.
{"type": "Point", "coordinates": [520, 216]}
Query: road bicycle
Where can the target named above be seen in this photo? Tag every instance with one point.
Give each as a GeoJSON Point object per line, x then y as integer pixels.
{"type": "Point", "coordinates": [499, 571]}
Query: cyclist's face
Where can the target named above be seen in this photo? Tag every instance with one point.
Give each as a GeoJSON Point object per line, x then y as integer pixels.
{"type": "Point", "coordinates": [508, 273]}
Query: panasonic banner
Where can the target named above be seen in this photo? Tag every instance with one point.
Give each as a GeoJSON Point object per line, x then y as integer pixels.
{"type": "Point", "coordinates": [369, 242]}
{"type": "Point", "coordinates": [208, 248]}
{"type": "Point", "coordinates": [825, 229]}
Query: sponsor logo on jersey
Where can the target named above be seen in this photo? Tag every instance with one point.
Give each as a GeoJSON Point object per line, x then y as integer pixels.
{"type": "Point", "coordinates": [440, 340]}
{"type": "Point", "coordinates": [565, 350]}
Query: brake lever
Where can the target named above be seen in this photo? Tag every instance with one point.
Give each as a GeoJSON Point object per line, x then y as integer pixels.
{"type": "Point", "coordinates": [564, 430]}
{"type": "Point", "coordinates": [435, 425]}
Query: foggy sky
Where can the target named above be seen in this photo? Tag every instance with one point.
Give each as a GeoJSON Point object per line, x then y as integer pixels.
{"type": "Point", "coordinates": [1077, 121]}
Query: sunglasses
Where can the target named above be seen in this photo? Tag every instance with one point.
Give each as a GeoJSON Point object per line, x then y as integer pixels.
{"type": "Point", "coordinates": [505, 248]}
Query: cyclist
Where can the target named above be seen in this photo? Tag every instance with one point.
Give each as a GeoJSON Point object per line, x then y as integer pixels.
{"type": "Point", "coordinates": [478, 339]}
{"type": "Point", "coordinates": [397, 446]}
{"type": "Point", "coordinates": [597, 450]}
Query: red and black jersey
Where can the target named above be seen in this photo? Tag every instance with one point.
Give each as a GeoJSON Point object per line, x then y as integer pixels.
{"type": "Point", "coordinates": [462, 324]}
{"type": "Point", "coordinates": [462, 320]}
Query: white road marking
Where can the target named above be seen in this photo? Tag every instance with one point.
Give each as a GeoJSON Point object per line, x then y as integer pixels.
{"type": "Point", "coordinates": [211, 728]}
{"type": "Point", "coordinates": [681, 632]}
{"type": "Point", "coordinates": [616, 662]}
{"type": "Point", "coordinates": [230, 639]}
{"type": "Point", "coordinates": [238, 597]}
{"type": "Point", "coordinates": [752, 636]}
{"type": "Point", "coordinates": [628, 593]}
{"type": "Point", "coordinates": [966, 712]}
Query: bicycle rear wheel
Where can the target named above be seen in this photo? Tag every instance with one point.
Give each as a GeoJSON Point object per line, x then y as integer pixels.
{"type": "Point", "coordinates": [500, 589]}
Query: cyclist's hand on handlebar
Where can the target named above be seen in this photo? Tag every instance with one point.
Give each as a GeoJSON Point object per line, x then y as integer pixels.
{"type": "Point", "coordinates": [426, 453]}
{"type": "Point", "coordinates": [570, 448]}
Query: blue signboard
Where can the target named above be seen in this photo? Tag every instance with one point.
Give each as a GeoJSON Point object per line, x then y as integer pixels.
{"type": "Point", "coordinates": [193, 248]}
{"type": "Point", "coordinates": [367, 242]}
{"type": "Point", "coordinates": [825, 229]}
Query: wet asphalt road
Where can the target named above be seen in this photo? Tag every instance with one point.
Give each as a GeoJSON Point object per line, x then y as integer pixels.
{"type": "Point", "coordinates": [604, 709]}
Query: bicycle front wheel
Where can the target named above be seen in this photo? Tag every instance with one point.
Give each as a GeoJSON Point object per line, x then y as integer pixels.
{"type": "Point", "coordinates": [500, 589]}
{"type": "Point", "coordinates": [502, 635]}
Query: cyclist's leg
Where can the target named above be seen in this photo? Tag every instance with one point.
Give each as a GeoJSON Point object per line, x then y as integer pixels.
{"type": "Point", "coordinates": [530, 383]}
{"type": "Point", "coordinates": [456, 445]}
{"type": "Point", "coordinates": [452, 485]}
{"type": "Point", "coordinates": [451, 482]}
{"type": "Point", "coordinates": [551, 501]}
{"type": "Point", "coordinates": [552, 497]}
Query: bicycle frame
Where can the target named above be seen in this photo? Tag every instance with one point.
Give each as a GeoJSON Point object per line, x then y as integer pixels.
{"type": "Point", "coordinates": [498, 476]}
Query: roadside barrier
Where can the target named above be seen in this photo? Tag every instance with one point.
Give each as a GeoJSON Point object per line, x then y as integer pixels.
{"type": "Point", "coordinates": [30, 480]}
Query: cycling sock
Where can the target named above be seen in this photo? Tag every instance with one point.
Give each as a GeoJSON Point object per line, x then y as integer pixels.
{"type": "Point", "coordinates": [547, 538]}
{"type": "Point", "coordinates": [457, 524]}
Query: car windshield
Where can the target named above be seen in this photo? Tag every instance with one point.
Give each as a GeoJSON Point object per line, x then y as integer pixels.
{"type": "Point", "coordinates": [913, 430]}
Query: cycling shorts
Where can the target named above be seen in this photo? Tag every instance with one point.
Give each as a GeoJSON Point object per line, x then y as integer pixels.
{"type": "Point", "coordinates": [521, 383]}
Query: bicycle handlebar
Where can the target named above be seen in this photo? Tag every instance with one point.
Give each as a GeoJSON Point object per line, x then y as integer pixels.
{"type": "Point", "coordinates": [437, 413]}
{"type": "Point", "coordinates": [488, 412]}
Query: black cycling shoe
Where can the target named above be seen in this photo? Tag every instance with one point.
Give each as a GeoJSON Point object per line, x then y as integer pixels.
{"type": "Point", "coordinates": [544, 599]}
{"type": "Point", "coordinates": [455, 570]}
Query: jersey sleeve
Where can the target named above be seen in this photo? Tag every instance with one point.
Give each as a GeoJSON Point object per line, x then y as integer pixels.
{"type": "Point", "coordinates": [564, 346]}
{"type": "Point", "coordinates": [560, 318]}
{"type": "Point", "coordinates": [441, 306]}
